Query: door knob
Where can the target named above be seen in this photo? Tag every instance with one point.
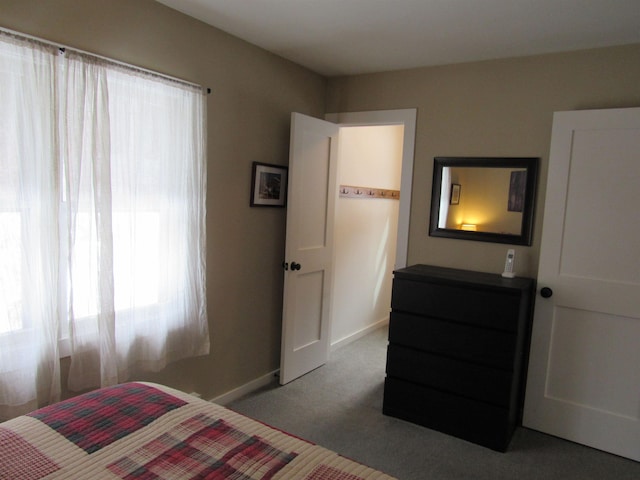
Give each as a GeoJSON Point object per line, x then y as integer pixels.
{"type": "Point", "coordinates": [295, 266]}
{"type": "Point", "coordinates": [546, 292]}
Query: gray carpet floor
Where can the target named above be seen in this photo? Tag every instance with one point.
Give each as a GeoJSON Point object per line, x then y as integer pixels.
{"type": "Point", "coordinates": [339, 406]}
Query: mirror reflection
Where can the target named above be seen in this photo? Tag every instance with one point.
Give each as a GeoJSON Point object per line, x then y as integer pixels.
{"type": "Point", "coordinates": [472, 209]}
{"type": "Point", "coordinates": [487, 199]}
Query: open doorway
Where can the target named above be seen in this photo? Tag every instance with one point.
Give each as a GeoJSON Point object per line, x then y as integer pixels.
{"type": "Point", "coordinates": [371, 235]}
{"type": "Point", "coordinates": [308, 292]}
{"type": "Point", "coordinates": [366, 228]}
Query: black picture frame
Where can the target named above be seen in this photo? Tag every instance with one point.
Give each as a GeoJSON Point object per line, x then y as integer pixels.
{"type": "Point", "coordinates": [268, 185]}
{"type": "Point", "coordinates": [456, 189]}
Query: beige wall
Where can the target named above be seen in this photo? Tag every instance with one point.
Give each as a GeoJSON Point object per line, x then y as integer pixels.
{"type": "Point", "coordinates": [493, 108]}
{"type": "Point", "coordinates": [248, 120]}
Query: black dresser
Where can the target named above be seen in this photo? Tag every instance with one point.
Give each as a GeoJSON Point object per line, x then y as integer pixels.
{"type": "Point", "coordinates": [458, 352]}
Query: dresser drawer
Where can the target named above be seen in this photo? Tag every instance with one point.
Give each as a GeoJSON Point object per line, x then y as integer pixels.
{"type": "Point", "coordinates": [458, 341]}
{"type": "Point", "coordinates": [477, 422]}
{"type": "Point", "coordinates": [483, 307]}
{"type": "Point", "coordinates": [445, 374]}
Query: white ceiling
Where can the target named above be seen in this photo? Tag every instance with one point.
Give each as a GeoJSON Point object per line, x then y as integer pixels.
{"type": "Point", "coordinates": [345, 37]}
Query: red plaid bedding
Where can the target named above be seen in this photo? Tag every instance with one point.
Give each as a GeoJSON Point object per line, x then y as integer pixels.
{"type": "Point", "coordinates": [148, 431]}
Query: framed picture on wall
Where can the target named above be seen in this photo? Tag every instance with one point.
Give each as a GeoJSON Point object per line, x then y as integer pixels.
{"type": "Point", "coordinates": [517, 187]}
{"type": "Point", "coordinates": [268, 185]}
{"type": "Point", "coordinates": [455, 194]}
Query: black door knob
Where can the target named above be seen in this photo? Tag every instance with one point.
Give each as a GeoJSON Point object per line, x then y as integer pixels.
{"type": "Point", "coordinates": [295, 266]}
{"type": "Point", "coordinates": [546, 292]}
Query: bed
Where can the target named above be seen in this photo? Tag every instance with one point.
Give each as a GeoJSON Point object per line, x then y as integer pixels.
{"type": "Point", "coordinates": [142, 430]}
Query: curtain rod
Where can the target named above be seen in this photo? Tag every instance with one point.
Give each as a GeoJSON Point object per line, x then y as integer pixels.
{"type": "Point", "coordinates": [63, 49]}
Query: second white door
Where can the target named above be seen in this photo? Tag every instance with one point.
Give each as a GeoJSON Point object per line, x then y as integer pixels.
{"type": "Point", "coordinates": [584, 368]}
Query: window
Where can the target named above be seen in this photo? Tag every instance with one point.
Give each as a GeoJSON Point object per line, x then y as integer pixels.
{"type": "Point", "coordinates": [102, 206]}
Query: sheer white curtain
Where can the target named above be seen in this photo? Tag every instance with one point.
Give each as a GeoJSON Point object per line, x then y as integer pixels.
{"type": "Point", "coordinates": [143, 301]}
{"type": "Point", "coordinates": [86, 201]}
{"type": "Point", "coordinates": [29, 262]}
{"type": "Point", "coordinates": [117, 241]}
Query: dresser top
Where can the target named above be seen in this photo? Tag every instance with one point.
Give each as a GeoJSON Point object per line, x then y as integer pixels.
{"type": "Point", "coordinates": [430, 273]}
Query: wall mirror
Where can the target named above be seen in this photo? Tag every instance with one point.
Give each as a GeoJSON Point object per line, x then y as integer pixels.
{"type": "Point", "coordinates": [485, 199]}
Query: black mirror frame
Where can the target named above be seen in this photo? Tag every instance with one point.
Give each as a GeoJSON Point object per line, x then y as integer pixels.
{"type": "Point", "coordinates": [526, 235]}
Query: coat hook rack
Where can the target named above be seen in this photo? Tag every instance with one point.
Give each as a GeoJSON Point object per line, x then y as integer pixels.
{"type": "Point", "coordinates": [350, 191]}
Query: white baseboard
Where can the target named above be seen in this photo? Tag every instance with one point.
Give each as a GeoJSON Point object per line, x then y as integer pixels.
{"type": "Point", "coordinates": [360, 333]}
{"type": "Point", "coordinates": [246, 389]}
{"type": "Point", "coordinates": [271, 377]}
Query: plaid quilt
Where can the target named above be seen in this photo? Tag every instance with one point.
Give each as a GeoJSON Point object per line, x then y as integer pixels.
{"type": "Point", "coordinates": [148, 431]}
{"type": "Point", "coordinates": [203, 447]}
{"type": "Point", "coordinates": [99, 418]}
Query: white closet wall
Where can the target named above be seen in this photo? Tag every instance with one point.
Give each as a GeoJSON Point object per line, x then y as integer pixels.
{"type": "Point", "coordinates": [366, 230]}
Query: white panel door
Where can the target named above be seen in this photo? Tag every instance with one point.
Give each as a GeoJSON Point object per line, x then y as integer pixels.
{"type": "Point", "coordinates": [309, 246]}
{"type": "Point", "coordinates": [584, 369]}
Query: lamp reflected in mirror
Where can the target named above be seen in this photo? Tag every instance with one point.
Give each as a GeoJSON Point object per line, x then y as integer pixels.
{"type": "Point", "coordinates": [485, 199]}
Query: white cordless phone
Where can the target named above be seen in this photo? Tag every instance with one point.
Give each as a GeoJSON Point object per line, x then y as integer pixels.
{"type": "Point", "coordinates": [509, 264]}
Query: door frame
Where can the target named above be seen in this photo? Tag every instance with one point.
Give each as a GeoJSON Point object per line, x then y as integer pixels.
{"type": "Point", "coordinates": [406, 117]}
